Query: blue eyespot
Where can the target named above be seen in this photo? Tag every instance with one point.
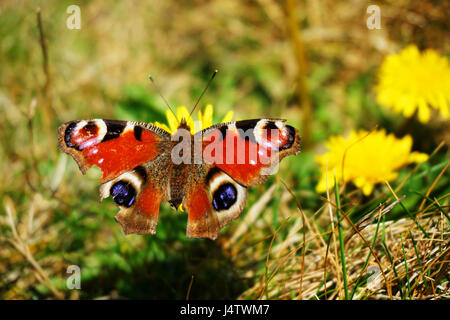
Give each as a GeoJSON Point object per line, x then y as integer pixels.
{"type": "Point", "coordinates": [123, 193]}
{"type": "Point", "coordinates": [224, 197]}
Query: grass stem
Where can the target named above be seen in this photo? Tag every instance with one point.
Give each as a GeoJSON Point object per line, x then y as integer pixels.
{"type": "Point", "coordinates": [341, 236]}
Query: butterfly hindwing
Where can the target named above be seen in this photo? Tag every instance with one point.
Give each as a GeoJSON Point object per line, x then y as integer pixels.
{"type": "Point", "coordinates": [213, 203]}
{"type": "Point", "coordinates": [138, 196]}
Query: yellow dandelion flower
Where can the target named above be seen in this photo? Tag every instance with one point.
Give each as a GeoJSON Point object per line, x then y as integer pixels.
{"type": "Point", "coordinates": [365, 159]}
{"type": "Point", "coordinates": [204, 121]}
{"type": "Point", "coordinates": [410, 81]}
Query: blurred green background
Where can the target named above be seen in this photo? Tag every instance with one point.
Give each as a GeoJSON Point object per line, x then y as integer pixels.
{"type": "Point", "coordinates": [275, 59]}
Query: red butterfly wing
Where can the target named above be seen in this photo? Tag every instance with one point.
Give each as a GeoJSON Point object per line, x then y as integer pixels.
{"type": "Point", "coordinates": [249, 150]}
{"type": "Point", "coordinates": [128, 153]}
{"type": "Point", "coordinates": [114, 146]}
{"type": "Point", "coordinates": [213, 202]}
{"type": "Point", "coordinates": [135, 159]}
{"type": "Point", "coordinates": [138, 197]}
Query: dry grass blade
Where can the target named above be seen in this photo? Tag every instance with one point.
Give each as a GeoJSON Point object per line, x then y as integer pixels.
{"type": "Point", "coordinates": [434, 184]}
{"type": "Point", "coordinates": [268, 255]}
{"type": "Point", "coordinates": [21, 245]}
{"type": "Point", "coordinates": [189, 288]}
{"type": "Point", "coordinates": [302, 216]}
{"type": "Point", "coordinates": [370, 217]}
{"type": "Point", "coordinates": [47, 112]}
{"type": "Point", "coordinates": [251, 216]}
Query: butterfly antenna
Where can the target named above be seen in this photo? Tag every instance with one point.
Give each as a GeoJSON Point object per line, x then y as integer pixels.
{"type": "Point", "coordinates": [204, 90]}
{"type": "Point", "coordinates": [159, 92]}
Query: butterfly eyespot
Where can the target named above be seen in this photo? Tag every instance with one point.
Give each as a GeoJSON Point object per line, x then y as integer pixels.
{"type": "Point", "coordinates": [224, 197]}
{"type": "Point", "coordinates": [123, 193]}
{"type": "Point", "coordinates": [84, 134]}
{"type": "Point", "coordinates": [289, 138]}
{"type": "Point", "coordinates": [90, 130]}
{"type": "Point", "coordinates": [276, 136]}
{"type": "Point", "coordinates": [68, 135]}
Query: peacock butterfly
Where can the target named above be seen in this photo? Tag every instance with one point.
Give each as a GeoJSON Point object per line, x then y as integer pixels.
{"type": "Point", "coordinates": [208, 173]}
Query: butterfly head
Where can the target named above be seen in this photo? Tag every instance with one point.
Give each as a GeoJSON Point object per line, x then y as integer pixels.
{"type": "Point", "coordinates": [183, 125]}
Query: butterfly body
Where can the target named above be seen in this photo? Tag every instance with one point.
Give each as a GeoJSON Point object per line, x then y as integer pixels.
{"type": "Point", "coordinates": [208, 173]}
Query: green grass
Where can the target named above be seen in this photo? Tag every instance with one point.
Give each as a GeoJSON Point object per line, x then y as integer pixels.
{"type": "Point", "coordinates": [341, 236]}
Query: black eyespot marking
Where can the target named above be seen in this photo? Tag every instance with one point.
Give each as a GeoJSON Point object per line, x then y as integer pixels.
{"type": "Point", "coordinates": [291, 138]}
{"type": "Point", "coordinates": [224, 197]}
{"type": "Point", "coordinates": [223, 132]}
{"type": "Point", "coordinates": [140, 170]}
{"type": "Point", "coordinates": [90, 125]}
{"type": "Point", "coordinates": [246, 124]}
{"type": "Point", "coordinates": [113, 130]}
{"type": "Point", "coordinates": [246, 129]}
{"type": "Point", "coordinates": [68, 136]}
{"type": "Point", "coordinates": [211, 173]}
{"type": "Point", "coordinates": [247, 135]}
{"type": "Point", "coordinates": [271, 125]}
{"type": "Point", "coordinates": [138, 133]}
{"type": "Point", "coordinates": [123, 193]}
